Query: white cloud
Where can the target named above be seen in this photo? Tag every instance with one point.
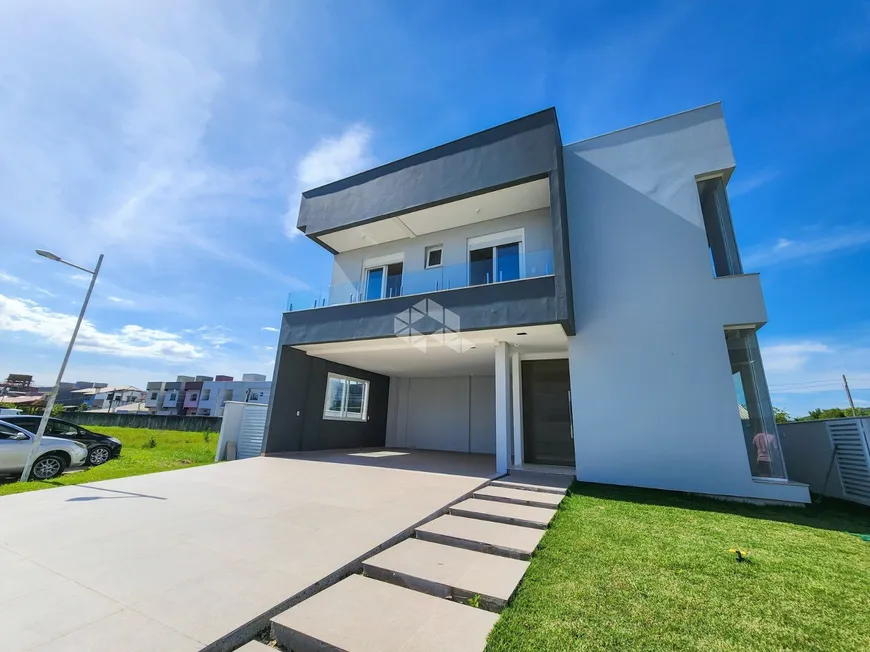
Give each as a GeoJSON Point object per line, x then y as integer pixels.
{"type": "Point", "coordinates": [742, 185]}
{"type": "Point", "coordinates": [329, 160]}
{"type": "Point", "coordinates": [130, 341]}
{"type": "Point", "coordinates": [270, 329]}
{"type": "Point", "coordinates": [122, 302]}
{"type": "Point", "coordinates": [810, 249]}
{"type": "Point", "coordinates": [806, 374]}
{"type": "Point", "coordinates": [216, 336]}
{"type": "Point", "coordinates": [14, 280]}
{"type": "Point", "coordinates": [112, 133]}
{"type": "Point", "coordinates": [783, 358]}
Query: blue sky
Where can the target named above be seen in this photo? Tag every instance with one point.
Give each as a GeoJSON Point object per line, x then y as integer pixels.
{"type": "Point", "coordinates": [176, 136]}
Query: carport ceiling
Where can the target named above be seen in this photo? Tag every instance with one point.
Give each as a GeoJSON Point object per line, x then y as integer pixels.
{"type": "Point", "coordinates": [394, 356]}
{"type": "Point", "coordinates": [479, 208]}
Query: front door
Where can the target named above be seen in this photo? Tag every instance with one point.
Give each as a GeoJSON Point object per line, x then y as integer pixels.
{"type": "Point", "coordinates": [547, 434]}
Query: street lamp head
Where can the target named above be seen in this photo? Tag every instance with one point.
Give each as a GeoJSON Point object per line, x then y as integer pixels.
{"type": "Point", "coordinates": [48, 254]}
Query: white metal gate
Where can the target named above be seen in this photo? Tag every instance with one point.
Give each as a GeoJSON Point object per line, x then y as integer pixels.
{"type": "Point", "coordinates": [850, 439]}
{"type": "Point", "coordinates": [252, 431]}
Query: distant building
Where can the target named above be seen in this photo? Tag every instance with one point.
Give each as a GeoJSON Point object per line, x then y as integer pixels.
{"type": "Point", "coordinates": [204, 396]}
{"type": "Point", "coordinates": [108, 398]}
{"type": "Point", "coordinates": [18, 385]}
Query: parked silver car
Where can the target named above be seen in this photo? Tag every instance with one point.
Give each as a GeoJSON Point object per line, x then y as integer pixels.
{"type": "Point", "coordinates": [53, 457]}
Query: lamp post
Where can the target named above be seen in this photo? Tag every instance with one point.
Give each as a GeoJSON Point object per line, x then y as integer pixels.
{"type": "Point", "coordinates": [49, 403]}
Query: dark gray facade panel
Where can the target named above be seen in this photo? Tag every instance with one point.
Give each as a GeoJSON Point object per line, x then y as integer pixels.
{"type": "Point", "coordinates": [561, 246]}
{"type": "Point", "coordinates": [526, 302]}
{"type": "Point", "coordinates": [295, 421]}
{"type": "Point", "coordinates": [513, 152]}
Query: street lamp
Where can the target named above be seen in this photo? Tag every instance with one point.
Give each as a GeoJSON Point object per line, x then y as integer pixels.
{"type": "Point", "coordinates": [49, 403]}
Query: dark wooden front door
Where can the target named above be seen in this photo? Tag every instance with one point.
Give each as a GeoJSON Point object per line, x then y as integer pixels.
{"type": "Point", "coordinates": [547, 436]}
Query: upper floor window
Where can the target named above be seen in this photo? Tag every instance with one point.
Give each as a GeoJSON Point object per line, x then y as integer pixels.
{"type": "Point", "coordinates": [495, 258]}
{"type": "Point", "coordinates": [724, 254]}
{"type": "Point", "coordinates": [346, 398]}
{"type": "Point", "coordinates": [382, 277]}
{"type": "Point", "coordinates": [153, 396]}
{"type": "Point", "coordinates": [433, 256]}
{"type": "Point", "coordinates": [206, 394]}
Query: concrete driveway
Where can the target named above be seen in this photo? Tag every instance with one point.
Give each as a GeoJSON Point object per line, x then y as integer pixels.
{"type": "Point", "coordinates": [183, 559]}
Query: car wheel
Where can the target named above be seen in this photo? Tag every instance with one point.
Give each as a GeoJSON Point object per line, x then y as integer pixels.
{"type": "Point", "coordinates": [99, 455]}
{"type": "Point", "coordinates": [47, 467]}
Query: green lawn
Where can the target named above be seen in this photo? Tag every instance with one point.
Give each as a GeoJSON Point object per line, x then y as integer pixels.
{"type": "Point", "coordinates": [174, 449]}
{"type": "Point", "coordinates": [628, 569]}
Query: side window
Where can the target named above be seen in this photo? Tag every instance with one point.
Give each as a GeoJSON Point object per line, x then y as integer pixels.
{"type": "Point", "coordinates": [10, 434]}
{"type": "Point", "coordinates": [30, 424]}
{"type": "Point", "coordinates": [61, 429]}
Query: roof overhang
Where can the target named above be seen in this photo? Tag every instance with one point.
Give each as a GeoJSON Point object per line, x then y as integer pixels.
{"type": "Point", "coordinates": [504, 162]}
{"type": "Point", "coordinates": [519, 198]}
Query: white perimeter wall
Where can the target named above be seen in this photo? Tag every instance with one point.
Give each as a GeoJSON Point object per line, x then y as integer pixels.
{"type": "Point", "coordinates": [451, 414]}
{"type": "Point", "coordinates": [653, 398]}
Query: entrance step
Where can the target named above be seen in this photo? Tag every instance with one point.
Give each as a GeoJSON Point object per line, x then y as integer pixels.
{"type": "Point", "coordinates": [519, 496]}
{"type": "Point", "coordinates": [489, 510]}
{"type": "Point", "coordinates": [364, 615]}
{"type": "Point", "coordinates": [554, 483]}
{"type": "Point", "coordinates": [448, 572]}
{"type": "Point", "coordinates": [482, 536]}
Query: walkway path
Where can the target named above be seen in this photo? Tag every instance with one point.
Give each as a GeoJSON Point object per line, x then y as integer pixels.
{"type": "Point", "coordinates": [418, 595]}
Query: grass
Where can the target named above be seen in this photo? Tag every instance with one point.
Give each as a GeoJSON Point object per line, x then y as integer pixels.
{"type": "Point", "coordinates": [173, 449]}
{"type": "Point", "coordinates": [628, 569]}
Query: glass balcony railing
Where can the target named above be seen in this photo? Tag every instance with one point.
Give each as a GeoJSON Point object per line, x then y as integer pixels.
{"type": "Point", "coordinates": [498, 269]}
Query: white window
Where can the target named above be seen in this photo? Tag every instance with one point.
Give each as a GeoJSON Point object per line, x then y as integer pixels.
{"type": "Point", "coordinates": [206, 394]}
{"type": "Point", "coordinates": [382, 277]}
{"type": "Point", "coordinates": [346, 398]}
{"type": "Point", "coordinates": [153, 396]}
{"type": "Point", "coordinates": [433, 256]}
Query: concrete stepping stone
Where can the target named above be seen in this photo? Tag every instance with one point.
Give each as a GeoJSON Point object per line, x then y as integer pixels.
{"type": "Point", "coordinates": [545, 482]}
{"type": "Point", "coordinates": [364, 615]}
{"type": "Point", "coordinates": [519, 496]}
{"type": "Point", "coordinates": [448, 572]}
{"type": "Point", "coordinates": [483, 536]}
{"type": "Point", "coordinates": [490, 510]}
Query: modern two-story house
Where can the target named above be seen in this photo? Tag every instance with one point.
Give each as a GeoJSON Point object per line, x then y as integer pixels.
{"type": "Point", "coordinates": [557, 306]}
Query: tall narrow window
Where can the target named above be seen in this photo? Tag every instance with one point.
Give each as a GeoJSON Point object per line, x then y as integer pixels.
{"type": "Point", "coordinates": [346, 398]}
{"type": "Point", "coordinates": [753, 403]}
{"type": "Point", "coordinates": [374, 283]}
{"type": "Point", "coordinates": [720, 230]}
{"type": "Point", "coordinates": [480, 266]}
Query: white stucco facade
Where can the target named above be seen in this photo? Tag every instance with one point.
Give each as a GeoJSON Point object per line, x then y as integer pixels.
{"type": "Point", "coordinates": [652, 392]}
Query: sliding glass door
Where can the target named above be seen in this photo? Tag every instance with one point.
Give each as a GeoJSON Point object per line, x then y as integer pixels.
{"type": "Point", "coordinates": [494, 264]}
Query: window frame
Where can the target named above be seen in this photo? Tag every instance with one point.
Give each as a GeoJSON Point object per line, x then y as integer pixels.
{"type": "Point", "coordinates": [493, 241]}
{"type": "Point", "coordinates": [383, 263]}
{"type": "Point", "coordinates": [330, 415]}
{"type": "Point", "coordinates": [428, 251]}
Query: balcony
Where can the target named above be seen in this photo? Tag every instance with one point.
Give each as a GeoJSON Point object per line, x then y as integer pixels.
{"type": "Point", "coordinates": [388, 285]}
{"type": "Point", "coordinates": [480, 295]}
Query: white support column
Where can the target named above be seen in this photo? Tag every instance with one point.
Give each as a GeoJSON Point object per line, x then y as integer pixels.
{"type": "Point", "coordinates": [517, 404]}
{"type": "Point", "coordinates": [502, 407]}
